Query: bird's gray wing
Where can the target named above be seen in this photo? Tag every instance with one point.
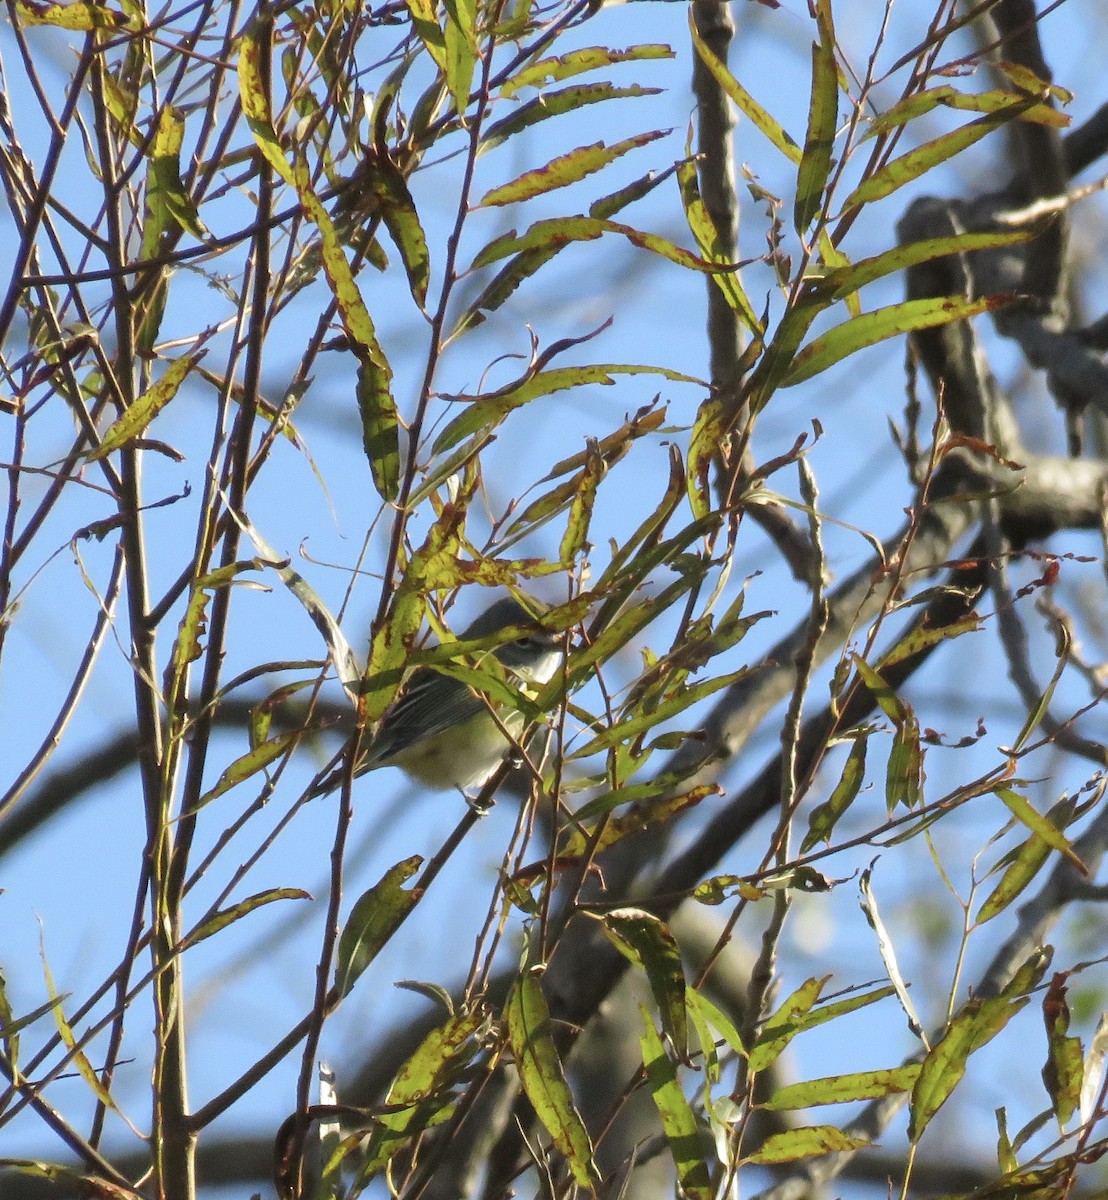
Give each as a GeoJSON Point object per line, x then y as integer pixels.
{"type": "Point", "coordinates": [415, 716]}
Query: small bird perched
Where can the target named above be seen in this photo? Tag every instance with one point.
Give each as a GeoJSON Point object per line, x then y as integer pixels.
{"type": "Point", "coordinates": [442, 732]}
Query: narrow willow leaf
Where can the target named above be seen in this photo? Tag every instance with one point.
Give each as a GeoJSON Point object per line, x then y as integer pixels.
{"type": "Point", "coordinates": [528, 261]}
{"type": "Point", "coordinates": [78, 16]}
{"type": "Point", "coordinates": [398, 211]}
{"type": "Point", "coordinates": [904, 773]}
{"type": "Point", "coordinates": [1042, 705]}
{"type": "Point", "coordinates": [611, 449]}
{"type": "Point", "coordinates": [825, 816]}
{"type": "Point", "coordinates": [167, 201]}
{"type": "Point", "coordinates": [921, 637]}
{"type": "Point", "coordinates": [836, 1009]}
{"type": "Point", "coordinates": [650, 811]}
{"type": "Point", "coordinates": [780, 354]}
{"type": "Point", "coordinates": [823, 117]}
{"type": "Point", "coordinates": [228, 916]}
{"type": "Point", "coordinates": [917, 162]}
{"type": "Point", "coordinates": [608, 206]}
{"type": "Point", "coordinates": [576, 62]}
{"type": "Point", "coordinates": [188, 647]}
{"type": "Point", "coordinates": [1020, 871]}
{"type": "Point", "coordinates": [700, 1006]}
{"type": "Point", "coordinates": [840, 1089]}
{"type": "Point", "coordinates": [945, 96]}
{"type": "Point", "coordinates": [748, 106]}
{"type": "Point", "coordinates": [683, 1134]}
{"type": "Point", "coordinates": [566, 169]}
{"type": "Point", "coordinates": [553, 104]}
{"type": "Point", "coordinates": [488, 410]}
{"type": "Point", "coordinates": [80, 1059]}
{"type": "Point", "coordinates": [380, 426]}
{"type": "Point", "coordinates": [77, 1183]}
{"type": "Point", "coordinates": [544, 1082]}
{"type": "Point", "coordinates": [708, 239]}
{"type": "Point", "coordinates": [849, 278]}
{"type": "Point", "coordinates": [134, 421]}
{"type": "Point", "coordinates": [807, 1142]}
{"type": "Point", "coordinates": [557, 232]}
{"type": "Point", "coordinates": [375, 917]}
{"type": "Point", "coordinates": [421, 1091]}
{"type": "Point", "coordinates": [887, 700]}
{"type": "Point", "coordinates": [11, 1025]}
{"type": "Point", "coordinates": [460, 49]}
{"type": "Point", "coordinates": [636, 725]}
{"type": "Point", "coordinates": [647, 942]}
{"type": "Point", "coordinates": [249, 764]}
{"type": "Point", "coordinates": [881, 324]}
{"type": "Point", "coordinates": [708, 436]}
{"type": "Point", "coordinates": [426, 25]}
{"type": "Point", "coordinates": [377, 406]}
{"type": "Point", "coordinates": [1028, 815]}
{"type": "Point", "coordinates": [779, 1029]}
{"type": "Point", "coordinates": [888, 952]}
{"type": "Point", "coordinates": [581, 506]}
{"type": "Point", "coordinates": [976, 1025]}
{"type": "Point", "coordinates": [1064, 1067]}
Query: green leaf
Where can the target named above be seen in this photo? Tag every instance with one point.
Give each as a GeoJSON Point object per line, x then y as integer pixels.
{"type": "Point", "coordinates": [779, 1029]}
{"type": "Point", "coordinates": [807, 1142]}
{"type": "Point", "coordinates": [490, 409]}
{"type": "Point", "coordinates": [683, 1134]}
{"type": "Point", "coordinates": [566, 169]}
{"type": "Point", "coordinates": [994, 100]}
{"type": "Point", "coordinates": [248, 764]}
{"type": "Point", "coordinates": [1065, 1066]}
{"type": "Point", "coordinates": [79, 16]}
{"type": "Point", "coordinates": [375, 917]}
{"type": "Point", "coordinates": [708, 239]}
{"type": "Point", "coordinates": [647, 942]}
{"type": "Point", "coordinates": [873, 327]}
{"type": "Point", "coordinates": [544, 1082]}
{"type": "Point", "coordinates": [460, 49]}
{"type": "Point", "coordinates": [977, 1024]}
{"type": "Point", "coordinates": [576, 62]}
{"type": "Point", "coordinates": [167, 202]}
{"type": "Point", "coordinates": [380, 426]}
{"type": "Point", "coordinates": [887, 700]}
{"type": "Point", "coordinates": [841, 1089]}
{"type": "Point", "coordinates": [825, 816]}
{"type": "Point", "coordinates": [426, 25]}
{"type": "Point", "coordinates": [376, 404]}
{"type": "Point", "coordinates": [904, 772]}
{"type": "Point", "coordinates": [823, 117]}
{"type": "Point", "coordinates": [921, 637]}
{"type": "Point", "coordinates": [842, 281]}
{"type": "Point", "coordinates": [580, 513]}
{"type": "Point", "coordinates": [1024, 863]}
{"type": "Point", "coordinates": [1041, 826]}
{"type": "Point", "coordinates": [917, 162]}
{"type": "Point", "coordinates": [421, 1095]}
{"type": "Point", "coordinates": [133, 423]}
{"type": "Point", "coordinates": [550, 236]}
{"type": "Point", "coordinates": [398, 211]}
{"type": "Point", "coordinates": [553, 104]}
{"type": "Point", "coordinates": [228, 916]}
{"type": "Point", "coordinates": [747, 105]}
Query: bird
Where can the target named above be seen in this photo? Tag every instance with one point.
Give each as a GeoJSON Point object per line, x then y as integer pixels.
{"type": "Point", "coordinates": [441, 731]}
